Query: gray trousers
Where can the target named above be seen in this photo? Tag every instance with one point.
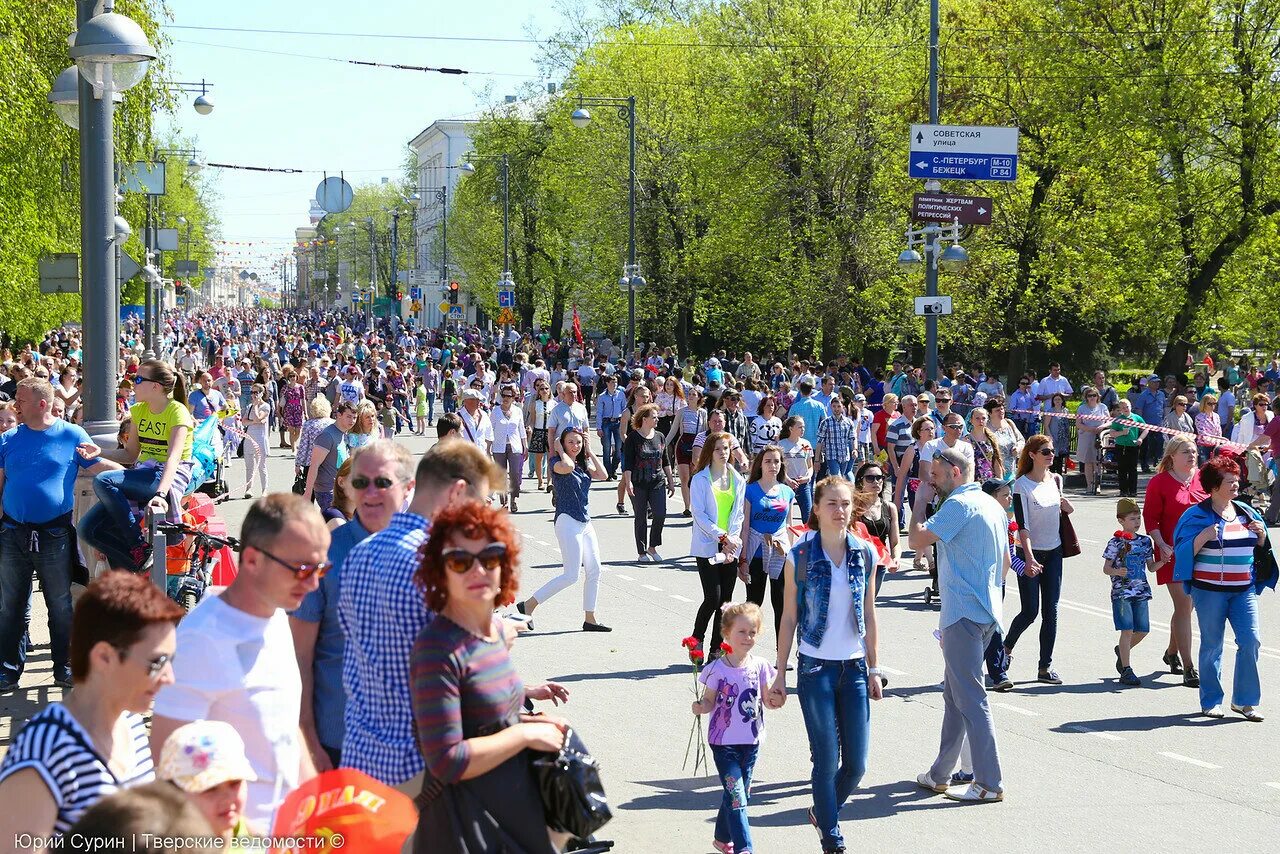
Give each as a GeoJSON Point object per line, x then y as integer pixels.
{"type": "Point", "coordinates": [511, 461]}
{"type": "Point", "coordinates": [966, 714]}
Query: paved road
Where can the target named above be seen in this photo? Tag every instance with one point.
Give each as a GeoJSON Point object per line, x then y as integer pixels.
{"type": "Point", "coordinates": [1089, 765]}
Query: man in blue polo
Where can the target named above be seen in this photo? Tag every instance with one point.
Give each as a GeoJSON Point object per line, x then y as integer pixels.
{"type": "Point", "coordinates": [970, 531]}
{"type": "Point", "coordinates": [1151, 406]}
{"type": "Point", "coordinates": [39, 461]}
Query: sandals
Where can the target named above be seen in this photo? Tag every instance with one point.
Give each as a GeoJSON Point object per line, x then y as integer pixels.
{"type": "Point", "coordinates": [1249, 713]}
{"type": "Point", "coordinates": [1174, 663]}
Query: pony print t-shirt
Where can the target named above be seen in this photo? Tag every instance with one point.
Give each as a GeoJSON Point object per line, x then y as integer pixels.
{"type": "Point", "coordinates": [738, 716]}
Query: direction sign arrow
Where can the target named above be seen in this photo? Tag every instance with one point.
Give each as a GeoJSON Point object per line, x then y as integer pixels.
{"type": "Point", "coordinates": [964, 152]}
{"type": "Point", "coordinates": [940, 207]}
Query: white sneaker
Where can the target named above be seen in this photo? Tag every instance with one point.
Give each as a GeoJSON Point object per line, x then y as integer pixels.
{"type": "Point", "coordinates": [644, 558]}
{"type": "Point", "coordinates": [975, 793]}
{"type": "Point", "coordinates": [654, 556]}
{"type": "Point", "coordinates": [1213, 712]}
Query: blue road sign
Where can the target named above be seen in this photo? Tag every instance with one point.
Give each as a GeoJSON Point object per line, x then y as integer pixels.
{"type": "Point", "coordinates": [506, 299]}
{"type": "Point", "coordinates": [415, 293]}
{"type": "Point", "coordinates": [456, 312]}
{"type": "Point", "coordinates": [964, 153]}
{"type": "Point", "coordinates": [963, 167]}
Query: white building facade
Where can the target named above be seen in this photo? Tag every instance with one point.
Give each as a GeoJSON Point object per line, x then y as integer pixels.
{"type": "Point", "coordinates": [440, 149]}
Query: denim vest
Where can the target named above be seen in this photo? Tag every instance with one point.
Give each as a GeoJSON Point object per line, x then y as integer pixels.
{"type": "Point", "coordinates": [813, 591]}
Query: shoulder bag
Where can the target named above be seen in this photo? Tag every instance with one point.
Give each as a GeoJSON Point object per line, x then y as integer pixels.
{"type": "Point", "coordinates": [1066, 530]}
{"type": "Point", "coordinates": [572, 793]}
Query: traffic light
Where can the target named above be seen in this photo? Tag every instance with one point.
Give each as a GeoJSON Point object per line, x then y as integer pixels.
{"type": "Point", "coordinates": [453, 293]}
{"type": "Point", "coordinates": [399, 296]}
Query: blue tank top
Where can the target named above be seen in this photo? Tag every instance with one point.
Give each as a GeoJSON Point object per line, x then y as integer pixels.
{"type": "Point", "coordinates": [572, 493]}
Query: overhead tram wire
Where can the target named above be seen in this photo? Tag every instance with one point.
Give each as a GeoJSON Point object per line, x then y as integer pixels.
{"type": "Point", "coordinates": [737, 45]}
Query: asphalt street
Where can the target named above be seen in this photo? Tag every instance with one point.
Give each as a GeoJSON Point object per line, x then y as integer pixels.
{"type": "Point", "coordinates": [1088, 766]}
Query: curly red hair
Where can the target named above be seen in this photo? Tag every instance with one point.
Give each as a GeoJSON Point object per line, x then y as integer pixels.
{"type": "Point", "coordinates": [476, 521]}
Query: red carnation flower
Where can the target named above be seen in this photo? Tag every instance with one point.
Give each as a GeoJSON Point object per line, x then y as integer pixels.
{"type": "Point", "coordinates": [726, 649]}
{"type": "Point", "coordinates": [690, 642]}
{"type": "Point", "coordinates": [1124, 535]}
{"type": "Point", "coordinates": [695, 655]}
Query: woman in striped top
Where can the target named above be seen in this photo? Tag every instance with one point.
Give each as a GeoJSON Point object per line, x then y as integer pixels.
{"type": "Point", "coordinates": [1214, 547]}
{"type": "Point", "coordinates": [467, 696]}
{"type": "Point", "coordinates": [94, 742]}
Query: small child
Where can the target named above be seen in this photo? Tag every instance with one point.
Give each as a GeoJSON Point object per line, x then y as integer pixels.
{"type": "Point", "coordinates": [734, 685]}
{"type": "Point", "coordinates": [1127, 558]}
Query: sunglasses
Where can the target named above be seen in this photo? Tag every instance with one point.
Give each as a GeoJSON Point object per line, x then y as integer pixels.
{"type": "Point", "coordinates": [1045, 452]}
{"type": "Point", "coordinates": [873, 477]}
{"type": "Point", "coordinates": [155, 666]}
{"type": "Point", "coordinates": [490, 558]}
{"type": "Point", "coordinates": [953, 426]}
{"type": "Point", "coordinates": [360, 483]}
{"type": "Point", "coordinates": [139, 378]}
{"type": "Point", "coordinates": [303, 571]}
{"type": "Point", "coordinates": [1023, 385]}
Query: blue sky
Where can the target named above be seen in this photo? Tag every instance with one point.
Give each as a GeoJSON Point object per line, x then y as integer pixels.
{"type": "Point", "coordinates": [304, 113]}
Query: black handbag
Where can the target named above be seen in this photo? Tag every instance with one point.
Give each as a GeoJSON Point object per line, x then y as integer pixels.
{"type": "Point", "coordinates": [300, 482]}
{"type": "Point", "coordinates": [572, 794]}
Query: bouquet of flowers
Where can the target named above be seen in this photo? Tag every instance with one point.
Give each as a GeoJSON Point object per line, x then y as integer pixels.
{"type": "Point", "coordinates": [696, 657]}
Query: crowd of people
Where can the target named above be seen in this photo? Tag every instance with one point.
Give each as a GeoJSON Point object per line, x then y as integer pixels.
{"type": "Point", "coordinates": [377, 597]}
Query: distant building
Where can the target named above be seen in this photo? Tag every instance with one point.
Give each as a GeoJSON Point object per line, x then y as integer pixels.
{"type": "Point", "coordinates": [440, 148]}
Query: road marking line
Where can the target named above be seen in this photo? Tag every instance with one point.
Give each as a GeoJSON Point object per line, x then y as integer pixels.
{"type": "Point", "coordinates": [1272, 785]}
{"type": "Point", "coordinates": [1199, 762]}
{"type": "Point", "coordinates": [651, 587]}
{"type": "Point", "coordinates": [625, 577]}
{"type": "Point", "coordinates": [543, 543]}
{"type": "Point", "coordinates": [1269, 652]}
{"type": "Point", "coordinates": [680, 598]}
{"type": "Point", "coordinates": [891, 671]}
{"type": "Point", "coordinates": [1103, 735]}
{"type": "Point", "coordinates": [1017, 709]}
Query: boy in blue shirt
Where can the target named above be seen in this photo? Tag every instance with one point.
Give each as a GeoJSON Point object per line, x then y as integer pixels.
{"type": "Point", "coordinates": [1127, 558]}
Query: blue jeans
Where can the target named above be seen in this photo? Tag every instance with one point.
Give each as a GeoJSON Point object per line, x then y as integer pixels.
{"type": "Point", "coordinates": [611, 444]}
{"type": "Point", "coordinates": [431, 416]}
{"type": "Point", "coordinates": [804, 500]}
{"type": "Point", "coordinates": [1039, 595]}
{"type": "Point", "coordinates": [735, 763]}
{"type": "Point", "coordinates": [1213, 611]}
{"type": "Point", "coordinates": [837, 717]}
{"type": "Point", "coordinates": [113, 513]}
{"type": "Point", "coordinates": [52, 563]}
{"type": "Point", "coordinates": [835, 468]}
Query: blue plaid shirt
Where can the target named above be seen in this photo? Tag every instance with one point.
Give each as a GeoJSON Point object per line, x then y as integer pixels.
{"type": "Point", "coordinates": [837, 436]}
{"type": "Point", "coordinates": [381, 611]}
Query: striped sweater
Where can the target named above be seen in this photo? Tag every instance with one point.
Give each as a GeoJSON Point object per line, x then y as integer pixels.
{"type": "Point", "coordinates": [460, 683]}
{"type": "Point", "coordinates": [57, 747]}
{"type": "Point", "coordinates": [1225, 564]}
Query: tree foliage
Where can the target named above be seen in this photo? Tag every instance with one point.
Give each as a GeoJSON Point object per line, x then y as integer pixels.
{"type": "Point", "coordinates": [772, 142]}
{"type": "Point", "coordinates": [39, 160]}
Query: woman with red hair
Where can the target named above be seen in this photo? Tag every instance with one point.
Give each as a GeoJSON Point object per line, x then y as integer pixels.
{"type": "Point", "coordinates": [467, 697]}
{"type": "Point", "coordinates": [1215, 546]}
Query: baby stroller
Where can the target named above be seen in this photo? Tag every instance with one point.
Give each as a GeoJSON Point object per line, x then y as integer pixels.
{"type": "Point", "coordinates": [207, 451]}
{"type": "Point", "coordinates": [1260, 475]}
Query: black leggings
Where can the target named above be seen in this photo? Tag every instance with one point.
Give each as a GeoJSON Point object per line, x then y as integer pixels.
{"type": "Point", "coordinates": [755, 591]}
{"type": "Point", "coordinates": [718, 580]}
{"type": "Point", "coordinates": [1127, 469]}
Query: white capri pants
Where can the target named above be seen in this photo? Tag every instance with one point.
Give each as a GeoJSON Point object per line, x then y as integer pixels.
{"type": "Point", "coordinates": [579, 548]}
{"type": "Point", "coordinates": [255, 455]}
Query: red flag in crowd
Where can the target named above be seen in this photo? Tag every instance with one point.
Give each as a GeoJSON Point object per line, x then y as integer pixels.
{"type": "Point", "coordinates": [346, 808]}
{"type": "Point", "coordinates": [577, 327]}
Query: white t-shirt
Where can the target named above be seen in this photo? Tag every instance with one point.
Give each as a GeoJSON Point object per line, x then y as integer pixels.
{"type": "Point", "coordinates": [1038, 508]}
{"type": "Point", "coordinates": [840, 641]}
{"type": "Point", "coordinates": [232, 666]}
{"type": "Point", "coordinates": [1050, 386]}
{"type": "Point", "coordinates": [933, 446]}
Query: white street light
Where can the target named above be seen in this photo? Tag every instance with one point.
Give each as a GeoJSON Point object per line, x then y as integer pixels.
{"type": "Point", "coordinates": [954, 258]}
{"type": "Point", "coordinates": [194, 165]}
{"type": "Point", "coordinates": [122, 227]}
{"type": "Point", "coordinates": [468, 168]}
{"type": "Point", "coordinates": [580, 117]}
{"type": "Point", "coordinates": [203, 104]}
{"type": "Point", "coordinates": [909, 260]}
{"type": "Point", "coordinates": [112, 52]}
{"type": "Point", "coordinates": [65, 97]}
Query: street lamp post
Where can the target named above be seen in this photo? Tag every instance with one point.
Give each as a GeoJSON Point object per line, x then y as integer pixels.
{"type": "Point", "coordinates": [111, 52]}
{"type": "Point", "coordinates": [631, 278]}
{"type": "Point", "coordinates": [506, 282]}
{"type": "Point", "coordinates": [442, 198]}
